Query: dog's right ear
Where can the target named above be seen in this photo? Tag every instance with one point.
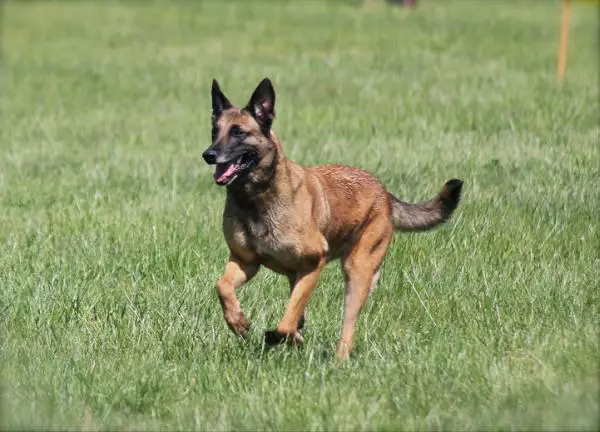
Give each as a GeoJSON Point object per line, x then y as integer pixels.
{"type": "Point", "coordinates": [219, 101]}
{"type": "Point", "coordinates": [262, 105]}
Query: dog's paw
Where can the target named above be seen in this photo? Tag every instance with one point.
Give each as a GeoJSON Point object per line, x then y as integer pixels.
{"type": "Point", "coordinates": [343, 350]}
{"type": "Point", "coordinates": [238, 323]}
{"type": "Point", "coordinates": [274, 337]}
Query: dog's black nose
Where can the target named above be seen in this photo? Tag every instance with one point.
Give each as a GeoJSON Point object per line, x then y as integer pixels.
{"type": "Point", "coordinates": [210, 156]}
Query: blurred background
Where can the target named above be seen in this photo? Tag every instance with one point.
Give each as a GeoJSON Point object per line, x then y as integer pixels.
{"type": "Point", "coordinates": [110, 223]}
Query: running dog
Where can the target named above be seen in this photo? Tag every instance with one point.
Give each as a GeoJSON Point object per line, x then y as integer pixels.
{"type": "Point", "coordinates": [293, 220]}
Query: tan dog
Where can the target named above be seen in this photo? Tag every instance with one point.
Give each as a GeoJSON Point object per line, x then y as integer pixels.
{"type": "Point", "coordinates": [293, 220]}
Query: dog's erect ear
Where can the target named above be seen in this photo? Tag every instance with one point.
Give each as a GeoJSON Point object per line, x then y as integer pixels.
{"type": "Point", "coordinates": [262, 105]}
{"type": "Point", "coordinates": [219, 101]}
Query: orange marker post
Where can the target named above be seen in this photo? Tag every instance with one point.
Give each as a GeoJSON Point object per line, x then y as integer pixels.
{"type": "Point", "coordinates": [561, 66]}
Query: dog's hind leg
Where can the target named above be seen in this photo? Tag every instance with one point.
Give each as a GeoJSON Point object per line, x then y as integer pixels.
{"type": "Point", "coordinates": [361, 271]}
{"type": "Point", "coordinates": [235, 275]}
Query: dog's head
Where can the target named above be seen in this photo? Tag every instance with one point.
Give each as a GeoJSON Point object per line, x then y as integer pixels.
{"type": "Point", "coordinates": [242, 148]}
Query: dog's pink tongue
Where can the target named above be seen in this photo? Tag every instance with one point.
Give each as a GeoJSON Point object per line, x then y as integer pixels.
{"type": "Point", "coordinates": [224, 172]}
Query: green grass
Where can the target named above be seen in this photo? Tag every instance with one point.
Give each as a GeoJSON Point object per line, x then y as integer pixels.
{"type": "Point", "coordinates": [110, 224]}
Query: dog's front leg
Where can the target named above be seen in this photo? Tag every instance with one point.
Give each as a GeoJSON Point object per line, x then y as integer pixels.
{"type": "Point", "coordinates": [235, 275]}
{"type": "Point", "coordinates": [292, 280]}
{"type": "Point", "coordinates": [287, 330]}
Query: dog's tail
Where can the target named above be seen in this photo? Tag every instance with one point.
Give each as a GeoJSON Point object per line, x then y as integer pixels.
{"type": "Point", "coordinates": [429, 214]}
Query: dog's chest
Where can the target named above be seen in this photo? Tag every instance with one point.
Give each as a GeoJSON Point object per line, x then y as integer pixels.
{"type": "Point", "coordinates": [269, 237]}
{"type": "Point", "coordinates": [265, 235]}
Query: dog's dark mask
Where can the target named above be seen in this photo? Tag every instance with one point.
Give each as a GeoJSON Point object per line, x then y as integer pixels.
{"type": "Point", "coordinates": [232, 156]}
{"type": "Point", "coordinates": [236, 133]}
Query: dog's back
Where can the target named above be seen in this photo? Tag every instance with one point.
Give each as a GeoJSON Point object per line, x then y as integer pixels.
{"type": "Point", "coordinates": [355, 197]}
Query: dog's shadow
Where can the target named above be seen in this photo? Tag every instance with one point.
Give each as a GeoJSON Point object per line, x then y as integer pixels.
{"type": "Point", "coordinates": [308, 351]}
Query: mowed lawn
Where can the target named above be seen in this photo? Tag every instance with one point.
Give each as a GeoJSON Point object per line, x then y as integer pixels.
{"type": "Point", "coordinates": [110, 222]}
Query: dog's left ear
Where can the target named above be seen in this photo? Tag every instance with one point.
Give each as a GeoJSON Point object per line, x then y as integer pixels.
{"type": "Point", "coordinates": [219, 101]}
{"type": "Point", "coordinates": [262, 105]}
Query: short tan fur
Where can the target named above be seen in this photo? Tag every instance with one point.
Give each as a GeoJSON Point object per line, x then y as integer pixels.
{"type": "Point", "coordinates": [293, 219]}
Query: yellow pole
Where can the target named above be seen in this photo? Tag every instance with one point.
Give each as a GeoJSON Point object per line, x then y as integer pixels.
{"type": "Point", "coordinates": [561, 66]}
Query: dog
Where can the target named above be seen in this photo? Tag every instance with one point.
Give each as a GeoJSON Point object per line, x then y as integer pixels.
{"type": "Point", "coordinates": [294, 220]}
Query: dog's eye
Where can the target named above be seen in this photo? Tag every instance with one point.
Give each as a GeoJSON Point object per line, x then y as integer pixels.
{"type": "Point", "coordinates": [237, 133]}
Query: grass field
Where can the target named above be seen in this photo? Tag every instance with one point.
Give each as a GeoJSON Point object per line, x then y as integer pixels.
{"type": "Point", "coordinates": [110, 223]}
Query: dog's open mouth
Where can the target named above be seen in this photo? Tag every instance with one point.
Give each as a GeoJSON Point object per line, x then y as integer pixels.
{"type": "Point", "coordinates": [227, 172]}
